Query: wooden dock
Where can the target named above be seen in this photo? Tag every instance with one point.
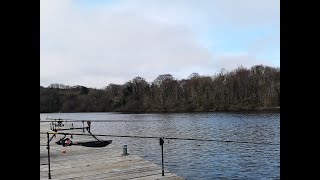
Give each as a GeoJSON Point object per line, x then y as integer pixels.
{"type": "Point", "coordinates": [81, 162]}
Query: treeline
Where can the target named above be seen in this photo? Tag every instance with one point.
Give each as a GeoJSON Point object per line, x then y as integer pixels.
{"type": "Point", "coordinates": [241, 89]}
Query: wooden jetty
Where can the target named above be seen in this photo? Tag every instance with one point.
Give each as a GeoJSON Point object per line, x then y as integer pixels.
{"type": "Point", "coordinates": [81, 162]}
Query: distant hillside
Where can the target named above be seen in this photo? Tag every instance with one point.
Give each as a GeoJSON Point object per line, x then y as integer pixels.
{"type": "Point", "coordinates": [257, 88]}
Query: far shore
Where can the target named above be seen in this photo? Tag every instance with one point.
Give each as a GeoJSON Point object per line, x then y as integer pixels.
{"type": "Point", "coordinates": [236, 110]}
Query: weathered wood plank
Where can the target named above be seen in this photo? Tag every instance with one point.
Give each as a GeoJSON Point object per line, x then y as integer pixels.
{"type": "Point", "coordinates": [94, 163]}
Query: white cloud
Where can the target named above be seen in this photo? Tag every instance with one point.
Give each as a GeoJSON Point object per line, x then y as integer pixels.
{"type": "Point", "coordinates": [230, 61]}
{"type": "Point", "coordinates": [195, 13]}
{"type": "Point", "coordinates": [113, 44]}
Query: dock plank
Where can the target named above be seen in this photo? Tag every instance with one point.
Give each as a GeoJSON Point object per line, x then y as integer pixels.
{"type": "Point", "coordinates": [94, 163]}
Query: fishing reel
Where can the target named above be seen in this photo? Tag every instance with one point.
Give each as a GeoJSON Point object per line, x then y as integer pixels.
{"type": "Point", "coordinates": [64, 142]}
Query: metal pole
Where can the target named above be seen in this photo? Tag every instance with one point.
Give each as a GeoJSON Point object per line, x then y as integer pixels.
{"type": "Point", "coordinates": [48, 147]}
{"type": "Point", "coordinates": [72, 128]}
{"type": "Point", "coordinates": [161, 144]}
{"type": "Point", "coordinates": [162, 160]}
{"type": "Point", "coordinates": [125, 150]}
{"type": "Point", "coordinates": [83, 126]}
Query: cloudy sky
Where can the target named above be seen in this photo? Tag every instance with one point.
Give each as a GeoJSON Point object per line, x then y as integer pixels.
{"type": "Point", "coordinates": [98, 42]}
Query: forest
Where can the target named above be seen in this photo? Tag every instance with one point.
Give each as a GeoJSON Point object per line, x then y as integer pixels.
{"type": "Point", "coordinates": [255, 88]}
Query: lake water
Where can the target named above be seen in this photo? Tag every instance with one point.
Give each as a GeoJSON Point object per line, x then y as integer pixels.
{"type": "Point", "coordinates": [198, 159]}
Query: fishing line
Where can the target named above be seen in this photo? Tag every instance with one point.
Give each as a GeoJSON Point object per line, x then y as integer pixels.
{"type": "Point", "coordinates": [170, 138]}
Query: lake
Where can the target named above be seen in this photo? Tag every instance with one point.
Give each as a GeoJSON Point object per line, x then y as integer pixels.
{"type": "Point", "coordinates": [198, 159]}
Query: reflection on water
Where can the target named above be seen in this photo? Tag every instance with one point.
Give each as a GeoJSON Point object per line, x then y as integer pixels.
{"type": "Point", "coordinates": [195, 159]}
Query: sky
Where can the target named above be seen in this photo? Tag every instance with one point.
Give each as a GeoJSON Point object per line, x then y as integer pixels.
{"type": "Point", "coordinates": [97, 42]}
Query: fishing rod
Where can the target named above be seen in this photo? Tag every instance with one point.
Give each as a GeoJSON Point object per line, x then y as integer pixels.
{"type": "Point", "coordinates": [169, 138]}
{"type": "Point", "coordinates": [72, 120]}
{"type": "Point", "coordinates": [80, 134]}
{"type": "Point", "coordinates": [65, 129]}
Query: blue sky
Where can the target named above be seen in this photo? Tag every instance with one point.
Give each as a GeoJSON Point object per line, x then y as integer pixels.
{"type": "Point", "coordinates": [97, 42]}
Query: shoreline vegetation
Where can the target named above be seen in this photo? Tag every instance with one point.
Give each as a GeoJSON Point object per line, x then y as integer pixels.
{"type": "Point", "coordinates": [242, 89]}
{"type": "Point", "coordinates": [257, 110]}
